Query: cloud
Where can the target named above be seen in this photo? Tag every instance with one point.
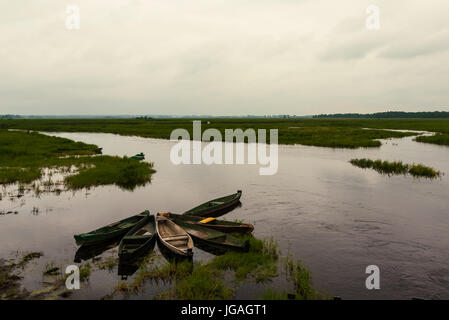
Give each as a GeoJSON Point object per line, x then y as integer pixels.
{"type": "Point", "coordinates": [415, 47]}
{"type": "Point", "coordinates": [222, 57]}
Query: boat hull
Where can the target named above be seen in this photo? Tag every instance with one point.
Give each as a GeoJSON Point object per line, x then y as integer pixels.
{"type": "Point", "coordinates": [214, 238]}
{"type": "Point", "coordinates": [217, 206]}
{"type": "Point", "coordinates": [109, 232]}
{"type": "Point", "coordinates": [133, 246]}
{"type": "Point", "coordinates": [219, 225]}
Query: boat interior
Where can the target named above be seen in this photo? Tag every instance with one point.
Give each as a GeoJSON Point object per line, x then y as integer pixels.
{"type": "Point", "coordinates": [173, 234]}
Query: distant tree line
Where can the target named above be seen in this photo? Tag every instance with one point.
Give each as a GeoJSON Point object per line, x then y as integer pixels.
{"type": "Point", "coordinates": [388, 114]}
{"type": "Point", "coordinates": [9, 116]}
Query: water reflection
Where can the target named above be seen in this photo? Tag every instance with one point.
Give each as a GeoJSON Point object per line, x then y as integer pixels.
{"type": "Point", "coordinates": [336, 218]}
{"type": "Point", "coordinates": [87, 252]}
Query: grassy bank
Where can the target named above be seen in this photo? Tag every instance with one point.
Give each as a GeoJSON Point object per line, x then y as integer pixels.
{"type": "Point", "coordinates": [24, 155]}
{"type": "Point", "coordinates": [396, 168]}
{"type": "Point", "coordinates": [221, 276]}
{"type": "Point", "coordinates": [440, 139]}
{"type": "Point", "coordinates": [335, 133]}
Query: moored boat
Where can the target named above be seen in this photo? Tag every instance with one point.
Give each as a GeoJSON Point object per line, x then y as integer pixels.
{"type": "Point", "coordinates": [139, 156]}
{"type": "Point", "coordinates": [173, 237]}
{"type": "Point", "coordinates": [110, 231]}
{"type": "Point", "coordinates": [217, 206]}
{"type": "Point", "coordinates": [139, 240]}
{"type": "Point", "coordinates": [214, 237]}
{"type": "Point", "coordinates": [212, 223]}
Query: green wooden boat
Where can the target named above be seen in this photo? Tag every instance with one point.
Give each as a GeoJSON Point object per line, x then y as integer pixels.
{"type": "Point", "coordinates": [110, 231]}
{"type": "Point", "coordinates": [139, 240]}
{"type": "Point", "coordinates": [214, 237]}
{"type": "Point", "coordinates": [212, 223]}
{"type": "Point", "coordinates": [217, 206]}
{"type": "Point", "coordinates": [139, 156]}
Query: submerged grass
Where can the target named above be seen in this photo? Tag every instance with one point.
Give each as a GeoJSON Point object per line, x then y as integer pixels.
{"type": "Point", "coordinates": [209, 280]}
{"type": "Point", "coordinates": [203, 283]}
{"type": "Point", "coordinates": [23, 155]}
{"type": "Point", "coordinates": [259, 260]}
{"type": "Point", "coordinates": [396, 168]}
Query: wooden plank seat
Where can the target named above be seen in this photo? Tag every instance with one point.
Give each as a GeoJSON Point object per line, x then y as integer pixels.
{"type": "Point", "coordinates": [178, 237]}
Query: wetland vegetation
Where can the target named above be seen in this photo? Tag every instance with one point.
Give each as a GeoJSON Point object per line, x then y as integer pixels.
{"type": "Point", "coordinates": [334, 133]}
{"type": "Point", "coordinates": [25, 155]}
{"type": "Point", "coordinates": [396, 168]}
{"type": "Point", "coordinates": [220, 277]}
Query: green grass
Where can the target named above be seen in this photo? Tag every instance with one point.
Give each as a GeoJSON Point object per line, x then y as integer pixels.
{"type": "Point", "coordinates": [334, 133]}
{"type": "Point", "coordinates": [440, 139]}
{"type": "Point", "coordinates": [259, 260]}
{"type": "Point", "coordinates": [384, 167]}
{"type": "Point", "coordinates": [396, 168]}
{"type": "Point", "coordinates": [301, 278]}
{"type": "Point", "coordinates": [23, 155]}
{"type": "Point", "coordinates": [204, 283]}
{"type": "Point", "coordinates": [419, 170]}
{"type": "Point", "coordinates": [213, 279]}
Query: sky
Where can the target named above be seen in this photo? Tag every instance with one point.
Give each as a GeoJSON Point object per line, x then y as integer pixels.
{"type": "Point", "coordinates": [223, 57]}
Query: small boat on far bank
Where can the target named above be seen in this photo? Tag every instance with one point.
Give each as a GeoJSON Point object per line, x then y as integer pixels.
{"type": "Point", "coordinates": [139, 240]}
{"type": "Point", "coordinates": [139, 156]}
{"type": "Point", "coordinates": [212, 223]}
{"type": "Point", "coordinates": [217, 206]}
{"type": "Point", "coordinates": [110, 231]}
{"type": "Point", "coordinates": [173, 237]}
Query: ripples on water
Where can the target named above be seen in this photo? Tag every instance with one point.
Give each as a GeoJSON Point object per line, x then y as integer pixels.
{"type": "Point", "coordinates": [336, 218]}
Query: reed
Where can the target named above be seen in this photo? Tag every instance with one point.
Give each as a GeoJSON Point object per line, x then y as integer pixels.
{"type": "Point", "coordinates": [396, 168]}
{"type": "Point", "coordinates": [24, 155]}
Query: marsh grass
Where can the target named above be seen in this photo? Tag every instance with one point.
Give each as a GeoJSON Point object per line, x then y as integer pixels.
{"type": "Point", "coordinates": [301, 279]}
{"type": "Point", "coordinates": [396, 168]}
{"type": "Point", "coordinates": [24, 155]}
{"type": "Point", "coordinates": [219, 277]}
{"type": "Point", "coordinates": [440, 139]}
{"type": "Point", "coordinates": [9, 280]}
{"type": "Point", "coordinates": [259, 260]}
{"type": "Point", "coordinates": [419, 170]}
{"type": "Point", "coordinates": [380, 166]}
{"type": "Point", "coordinates": [333, 133]}
{"type": "Point", "coordinates": [204, 283]}
{"type": "Point", "coordinates": [107, 264]}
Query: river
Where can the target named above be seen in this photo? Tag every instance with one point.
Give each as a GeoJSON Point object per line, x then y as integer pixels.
{"type": "Point", "coordinates": [335, 217]}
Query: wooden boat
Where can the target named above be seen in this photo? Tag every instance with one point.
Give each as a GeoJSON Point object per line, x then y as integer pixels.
{"type": "Point", "coordinates": [139, 156]}
{"type": "Point", "coordinates": [217, 206]}
{"type": "Point", "coordinates": [139, 240]}
{"type": "Point", "coordinates": [108, 232]}
{"type": "Point", "coordinates": [212, 223]}
{"type": "Point", "coordinates": [214, 237]}
{"type": "Point", "coordinates": [173, 237]}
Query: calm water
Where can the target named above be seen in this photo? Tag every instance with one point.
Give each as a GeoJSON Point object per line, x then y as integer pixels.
{"type": "Point", "coordinates": [335, 217]}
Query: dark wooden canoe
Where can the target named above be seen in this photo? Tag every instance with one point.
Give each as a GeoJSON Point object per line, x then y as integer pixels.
{"type": "Point", "coordinates": [173, 237]}
{"type": "Point", "coordinates": [212, 223]}
{"type": "Point", "coordinates": [217, 206]}
{"type": "Point", "coordinates": [139, 240]}
{"type": "Point", "coordinates": [214, 237]}
{"type": "Point", "coordinates": [108, 232]}
{"type": "Point", "coordinates": [139, 156]}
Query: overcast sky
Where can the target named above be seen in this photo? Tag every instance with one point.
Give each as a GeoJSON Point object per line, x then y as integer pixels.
{"type": "Point", "coordinates": [223, 57]}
